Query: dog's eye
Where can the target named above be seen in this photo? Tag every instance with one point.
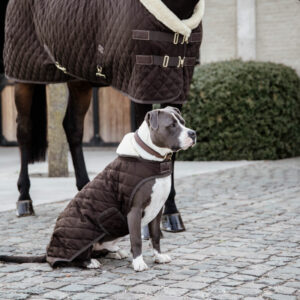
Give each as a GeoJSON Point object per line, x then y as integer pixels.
{"type": "Point", "coordinates": [173, 125]}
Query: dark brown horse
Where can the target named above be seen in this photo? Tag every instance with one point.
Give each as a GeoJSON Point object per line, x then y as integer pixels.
{"type": "Point", "coordinates": [31, 127]}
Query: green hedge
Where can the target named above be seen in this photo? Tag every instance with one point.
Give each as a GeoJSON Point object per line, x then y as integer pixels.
{"type": "Point", "coordinates": [244, 110]}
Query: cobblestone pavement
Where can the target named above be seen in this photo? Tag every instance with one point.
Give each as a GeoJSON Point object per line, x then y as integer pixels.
{"type": "Point", "coordinates": [242, 242]}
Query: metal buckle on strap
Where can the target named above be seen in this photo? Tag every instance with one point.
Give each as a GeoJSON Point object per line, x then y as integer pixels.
{"type": "Point", "coordinates": [180, 62]}
{"type": "Point", "coordinates": [168, 156]}
{"type": "Point", "coordinates": [60, 67]}
{"type": "Point", "coordinates": [176, 38]}
{"type": "Point", "coordinates": [166, 61]}
{"type": "Point", "coordinates": [185, 39]}
{"type": "Point", "coordinates": [99, 72]}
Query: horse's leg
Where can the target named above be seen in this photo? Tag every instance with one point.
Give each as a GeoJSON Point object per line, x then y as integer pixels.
{"type": "Point", "coordinates": [171, 219]}
{"type": "Point", "coordinates": [23, 100]}
{"type": "Point", "coordinates": [80, 94]}
{"type": "Point", "coordinates": [140, 111]}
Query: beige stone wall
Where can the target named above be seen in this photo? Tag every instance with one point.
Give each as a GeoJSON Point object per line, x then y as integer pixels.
{"type": "Point", "coordinates": [277, 27]}
{"type": "Point", "coordinates": [219, 26]}
{"type": "Point", "coordinates": [278, 31]}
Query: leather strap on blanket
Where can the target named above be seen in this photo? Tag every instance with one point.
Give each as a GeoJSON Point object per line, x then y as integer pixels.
{"type": "Point", "coordinates": [175, 38]}
{"type": "Point", "coordinates": [165, 61]}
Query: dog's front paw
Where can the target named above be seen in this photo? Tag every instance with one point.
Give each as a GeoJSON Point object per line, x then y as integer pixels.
{"type": "Point", "coordinates": [139, 264]}
{"type": "Point", "coordinates": [93, 264]}
{"type": "Point", "coordinates": [161, 258]}
{"type": "Point", "coordinates": [120, 254]}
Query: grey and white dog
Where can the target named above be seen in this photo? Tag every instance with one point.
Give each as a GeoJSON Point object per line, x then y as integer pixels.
{"type": "Point", "coordinates": [165, 132]}
{"type": "Point", "coordinates": [162, 133]}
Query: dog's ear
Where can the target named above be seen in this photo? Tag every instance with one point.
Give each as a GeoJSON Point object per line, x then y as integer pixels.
{"type": "Point", "coordinates": [175, 109]}
{"type": "Point", "coordinates": [176, 112]}
{"type": "Point", "coordinates": [152, 119]}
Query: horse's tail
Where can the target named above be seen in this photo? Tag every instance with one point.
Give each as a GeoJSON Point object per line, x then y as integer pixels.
{"type": "Point", "coordinates": [38, 116]}
{"type": "Point", "coordinates": [23, 259]}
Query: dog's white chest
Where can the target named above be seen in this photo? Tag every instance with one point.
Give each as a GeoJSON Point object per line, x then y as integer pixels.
{"type": "Point", "coordinates": [160, 192]}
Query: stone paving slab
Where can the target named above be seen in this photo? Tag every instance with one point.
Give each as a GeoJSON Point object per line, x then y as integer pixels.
{"type": "Point", "coordinates": [242, 242]}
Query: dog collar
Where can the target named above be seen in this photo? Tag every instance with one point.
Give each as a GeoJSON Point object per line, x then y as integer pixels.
{"type": "Point", "coordinates": [145, 147]}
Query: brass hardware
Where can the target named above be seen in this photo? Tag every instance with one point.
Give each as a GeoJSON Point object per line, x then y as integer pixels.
{"type": "Point", "coordinates": [176, 38]}
{"type": "Point", "coordinates": [166, 61]}
{"type": "Point", "coordinates": [185, 39]}
{"type": "Point", "coordinates": [180, 62]}
{"type": "Point", "coordinates": [168, 156]}
{"type": "Point", "coordinates": [99, 72]}
{"type": "Point", "coordinates": [60, 67]}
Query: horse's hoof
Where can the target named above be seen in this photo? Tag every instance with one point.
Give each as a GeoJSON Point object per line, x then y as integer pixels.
{"type": "Point", "coordinates": [25, 208]}
{"type": "Point", "coordinates": [172, 223]}
{"type": "Point", "coordinates": [145, 233]}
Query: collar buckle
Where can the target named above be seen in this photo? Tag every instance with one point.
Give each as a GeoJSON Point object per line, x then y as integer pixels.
{"type": "Point", "coordinates": [168, 156]}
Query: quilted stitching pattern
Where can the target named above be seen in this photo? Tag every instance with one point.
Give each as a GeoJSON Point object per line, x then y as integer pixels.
{"type": "Point", "coordinates": [100, 208]}
{"type": "Point", "coordinates": [73, 31]}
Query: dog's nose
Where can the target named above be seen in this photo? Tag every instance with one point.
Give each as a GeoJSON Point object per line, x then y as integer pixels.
{"type": "Point", "coordinates": [192, 134]}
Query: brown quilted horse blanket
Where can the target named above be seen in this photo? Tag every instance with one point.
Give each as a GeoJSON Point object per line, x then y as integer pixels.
{"type": "Point", "coordinates": [139, 47]}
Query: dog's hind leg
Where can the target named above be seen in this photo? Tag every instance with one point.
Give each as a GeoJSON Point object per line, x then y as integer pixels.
{"type": "Point", "coordinates": [119, 254]}
{"type": "Point", "coordinates": [92, 264]}
{"type": "Point", "coordinates": [114, 251]}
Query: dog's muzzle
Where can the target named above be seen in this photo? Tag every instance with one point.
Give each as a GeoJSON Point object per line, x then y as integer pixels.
{"type": "Point", "coordinates": [192, 134]}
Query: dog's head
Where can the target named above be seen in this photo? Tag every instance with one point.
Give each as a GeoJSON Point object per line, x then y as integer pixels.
{"type": "Point", "coordinates": [167, 129]}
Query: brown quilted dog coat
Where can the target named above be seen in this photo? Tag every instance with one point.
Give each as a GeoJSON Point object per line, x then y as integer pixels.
{"type": "Point", "coordinates": [98, 212]}
{"type": "Point", "coordinates": [105, 42]}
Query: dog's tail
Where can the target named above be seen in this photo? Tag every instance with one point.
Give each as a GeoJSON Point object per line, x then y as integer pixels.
{"type": "Point", "coordinates": [23, 259]}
